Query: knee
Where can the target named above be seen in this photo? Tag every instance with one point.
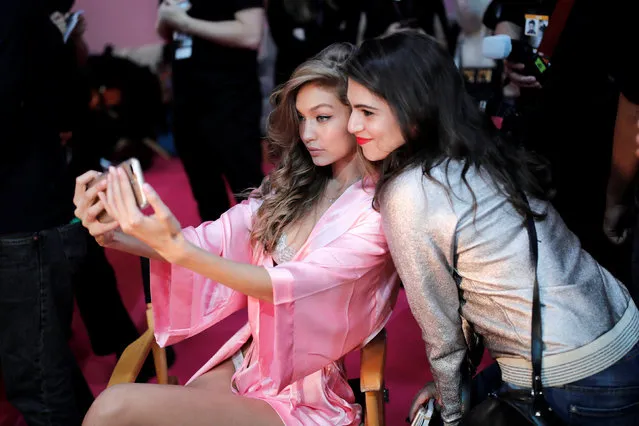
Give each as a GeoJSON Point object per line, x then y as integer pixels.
{"type": "Point", "coordinates": [110, 408]}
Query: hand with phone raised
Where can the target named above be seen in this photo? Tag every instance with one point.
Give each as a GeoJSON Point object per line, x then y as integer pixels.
{"type": "Point", "coordinates": [89, 209]}
{"type": "Point", "coordinates": [92, 212]}
{"type": "Point", "coordinates": [160, 231]}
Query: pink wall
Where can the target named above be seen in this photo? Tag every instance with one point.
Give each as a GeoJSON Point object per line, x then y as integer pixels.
{"type": "Point", "coordinates": [123, 23]}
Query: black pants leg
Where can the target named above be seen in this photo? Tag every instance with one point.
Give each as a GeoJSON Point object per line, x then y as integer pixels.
{"type": "Point", "coordinates": [41, 376]}
{"type": "Point", "coordinates": [107, 321]}
{"type": "Point", "coordinates": [218, 136]}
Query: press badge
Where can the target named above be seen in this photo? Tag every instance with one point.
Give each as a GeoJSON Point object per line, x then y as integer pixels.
{"type": "Point", "coordinates": [535, 25]}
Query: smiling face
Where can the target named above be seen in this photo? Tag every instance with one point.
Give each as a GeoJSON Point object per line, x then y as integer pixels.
{"type": "Point", "coordinates": [373, 123]}
{"type": "Point", "coordinates": [323, 122]}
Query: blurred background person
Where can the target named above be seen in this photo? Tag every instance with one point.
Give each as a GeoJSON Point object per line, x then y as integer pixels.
{"type": "Point", "coordinates": [385, 16]}
{"type": "Point", "coordinates": [93, 131]}
{"type": "Point", "coordinates": [482, 75]}
{"type": "Point", "coordinates": [216, 94]}
{"type": "Point", "coordinates": [302, 28]}
{"type": "Point", "coordinates": [577, 106]}
{"type": "Point", "coordinates": [41, 246]}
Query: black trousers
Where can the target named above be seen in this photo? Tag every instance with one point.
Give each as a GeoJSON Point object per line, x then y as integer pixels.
{"type": "Point", "coordinates": [217, 135]}
{"type": "Point", "coordinates": [107, 321]}
{"type": "Point", "coordinates": [41, 376]}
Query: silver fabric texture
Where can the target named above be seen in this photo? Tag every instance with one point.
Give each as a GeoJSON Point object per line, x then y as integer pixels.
{"type": "Point", "coordinates": [283, 252]}
{"type": "Point", "coordinates": [427, 226]}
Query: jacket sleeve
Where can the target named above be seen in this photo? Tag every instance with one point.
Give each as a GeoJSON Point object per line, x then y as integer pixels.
{"type": "Point", "coordinates": [185, 303]}
{"type": "Point", "coordinates": [420, 226]}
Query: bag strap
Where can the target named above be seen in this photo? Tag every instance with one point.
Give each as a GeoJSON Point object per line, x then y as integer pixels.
{"type": "Point", "coordinates": [555, 26]}
{"type": "Point", "coordinates": [537, 345]}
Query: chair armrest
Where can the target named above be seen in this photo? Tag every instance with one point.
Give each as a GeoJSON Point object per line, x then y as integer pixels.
{"type": "Point", "coordinates": [372, 364]}
{"type": "Point", "coordinates": [132, 359]}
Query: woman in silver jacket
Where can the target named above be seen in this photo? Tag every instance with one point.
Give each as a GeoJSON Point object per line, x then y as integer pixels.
{"type": "Point", "coordinates": [452, 203]}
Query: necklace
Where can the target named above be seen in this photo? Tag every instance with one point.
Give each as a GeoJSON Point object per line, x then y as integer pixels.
{"type": "Point", "coordinates": [331, 200]}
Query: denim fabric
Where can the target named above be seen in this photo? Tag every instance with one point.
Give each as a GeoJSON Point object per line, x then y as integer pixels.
{"type": "Point", "coordinates": [107, 321]}
{"type": "Point", "coordinates": [610, 397]}
{"type": "Point", "coordinates": [41, 376]}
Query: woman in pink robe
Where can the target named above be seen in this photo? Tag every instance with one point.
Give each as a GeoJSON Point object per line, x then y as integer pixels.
{"type": "Point", "coordinates": [305, 254]}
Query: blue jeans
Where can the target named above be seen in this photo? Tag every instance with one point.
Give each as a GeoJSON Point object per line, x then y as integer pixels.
{"type": "Point", "coordinates": [610, 397]}
{"type": "Point", "coordinates": [40, 374]}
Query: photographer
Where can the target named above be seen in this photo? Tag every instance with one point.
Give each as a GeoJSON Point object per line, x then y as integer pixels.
{"type": "Point", "coordinates": [569, 118]}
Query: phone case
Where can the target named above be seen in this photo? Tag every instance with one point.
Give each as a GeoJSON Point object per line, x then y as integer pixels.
{"type": "Point", "coordinates": [134, 172]}
{"type": "Point", "coordinates": [136, 178]}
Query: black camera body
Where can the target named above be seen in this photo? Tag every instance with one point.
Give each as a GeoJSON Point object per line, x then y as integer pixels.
{"type": "Point", "coordinates": [536, 65]}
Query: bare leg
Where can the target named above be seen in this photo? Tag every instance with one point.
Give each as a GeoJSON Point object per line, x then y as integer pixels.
{"type": "Point", "coordinates": [208, 401]}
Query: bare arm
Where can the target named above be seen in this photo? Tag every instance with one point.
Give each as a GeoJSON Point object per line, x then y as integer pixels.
{"type": "Point", "coordinates": [161, 236]}
{"type": "Point", "coordinates": [80, 45]}
{"type": "Point", "coordinates": [126, 243]}
{"type": "Point", "coordinates": [253, 281]}
{"type": "Point", "coordinates": [624, 164]}
{"type": "Point", "coordinates": [245, 31]}
{"type": "Point", "coordinates": [81, 52]}
{"type": "Point", "coordinates": [164, 30]}
{"type": "Point", "coordinates": [508, 28]}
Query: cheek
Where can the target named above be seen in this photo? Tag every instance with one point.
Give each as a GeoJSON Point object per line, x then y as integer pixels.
{"type": "Point", "coordinates": [339, 140]}
{"type": "Point", "coordinates": [390, 136]}
{"type": "Point", "coordinates": [372, 152]}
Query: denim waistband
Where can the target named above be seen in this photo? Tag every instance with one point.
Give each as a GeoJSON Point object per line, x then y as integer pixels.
{"type": "Point", "coordinates": [27, 237]}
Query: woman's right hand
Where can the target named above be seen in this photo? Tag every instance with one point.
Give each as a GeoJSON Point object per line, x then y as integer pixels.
{"type": "Point", "coordinates": [88, 207]}
{"type": "Point", "coordinates": [513, 71]}
{"type": "Point", "coordinates": [423, 396]}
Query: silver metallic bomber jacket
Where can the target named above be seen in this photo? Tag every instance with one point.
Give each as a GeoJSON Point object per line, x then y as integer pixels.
{"type": "Point", "coordinates": [584, 308]}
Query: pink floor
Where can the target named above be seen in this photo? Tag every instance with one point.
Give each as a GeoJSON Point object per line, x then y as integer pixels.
{"type": "Point", "coordinates": [406, 366]}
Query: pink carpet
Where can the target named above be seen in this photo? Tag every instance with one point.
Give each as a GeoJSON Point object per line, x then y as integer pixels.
{"type": "Point", "coordinates": [406, 366]}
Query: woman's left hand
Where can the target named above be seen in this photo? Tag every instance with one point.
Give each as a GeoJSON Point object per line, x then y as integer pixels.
{"type": "Point", "coordinates": [172, 14]}
{"type": "Point", "coordinates": [427, 393]}
{"type": "Point", "coordinates": [613, 225]}
{"type": "Point", "coordinates": [80, 28]}
{"type": "Point", "coordinates": [160, 231]}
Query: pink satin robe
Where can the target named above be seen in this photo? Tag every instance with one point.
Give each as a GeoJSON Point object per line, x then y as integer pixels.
{"type": "Point", "coordinates": [334, 296]}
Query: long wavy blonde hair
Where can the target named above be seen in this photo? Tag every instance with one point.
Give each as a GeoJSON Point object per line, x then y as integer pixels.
{"type": "Point", "coordinates": [296, 184]}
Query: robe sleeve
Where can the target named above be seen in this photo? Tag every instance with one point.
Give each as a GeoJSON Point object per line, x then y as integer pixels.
{"type": "Point", "coordinates": [331, 302]}
{"type": "Point", "coordinates": [186, 303]}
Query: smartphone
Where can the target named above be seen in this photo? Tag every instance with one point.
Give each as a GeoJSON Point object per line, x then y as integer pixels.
{"type": "Point", "coordinates": [425, 414]}
{"type": "Point", "coordinates": [133, 170]}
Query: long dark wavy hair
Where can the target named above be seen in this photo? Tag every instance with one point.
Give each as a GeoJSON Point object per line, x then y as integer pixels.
{"type": "Point", "coordinates": [440, 122]}
{"type": "Point", "coordinates": [296, 184]}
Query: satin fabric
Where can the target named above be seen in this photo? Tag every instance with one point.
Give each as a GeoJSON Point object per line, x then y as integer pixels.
{"type": "Point", "coordinates": [334, 296]}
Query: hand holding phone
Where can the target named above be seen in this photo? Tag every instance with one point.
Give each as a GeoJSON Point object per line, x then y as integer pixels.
{"type": "Point", "coordinates": [133, 170]}
{"type": "Point", "coordinates": [424, 414]}
{"type": "Point", "coordinates": [160, 231]}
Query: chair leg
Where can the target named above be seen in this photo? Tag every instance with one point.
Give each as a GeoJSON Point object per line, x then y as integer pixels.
{"type": "Point", "coordinates": [161, 368]}
{"type": "Point", "coordinates": [374, 409]}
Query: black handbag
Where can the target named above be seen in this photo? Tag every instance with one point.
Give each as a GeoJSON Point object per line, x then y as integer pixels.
{"type": "Point", "coordinates": [520, 407]}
